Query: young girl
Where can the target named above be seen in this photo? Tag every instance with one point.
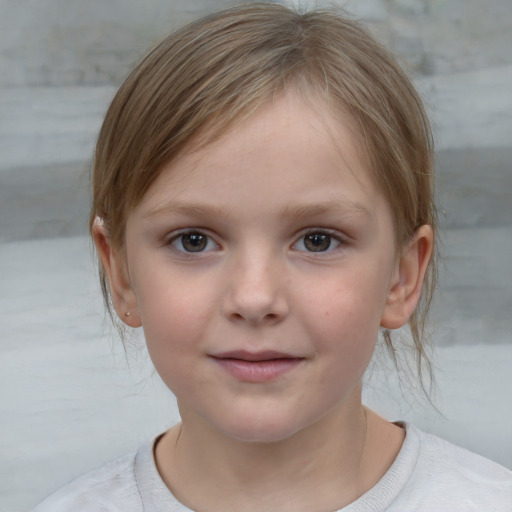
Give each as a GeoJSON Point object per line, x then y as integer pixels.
{"type": "Point", "coordinates": [263, 207]}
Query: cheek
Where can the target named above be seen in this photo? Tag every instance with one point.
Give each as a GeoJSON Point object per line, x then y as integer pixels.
{"type": "Point", "coordinates": [344, 317]}
{"type": "Point", "coordinates": [347, 349]}
{"type": "Point", "coordinates": [349, 304]}
{"type": "Point", "coordinates": [351, 346]}
{"type": "Point", "coordinates": [173, 331]}
{"type": "Point", "coordinates": [174, 315]}
{"type": "Point", "coordinates": [170, 323]}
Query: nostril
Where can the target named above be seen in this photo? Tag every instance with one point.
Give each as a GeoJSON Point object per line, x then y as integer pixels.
{"type": "Point", "coordinates": [255, 318]}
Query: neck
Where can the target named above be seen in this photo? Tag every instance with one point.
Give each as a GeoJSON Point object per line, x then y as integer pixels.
{"type": "Point", "coordinates": [323, 467]}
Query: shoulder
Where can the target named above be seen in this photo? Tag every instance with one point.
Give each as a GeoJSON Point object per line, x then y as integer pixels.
{"type": "Point", "coordinates": [448, 474]}
{"type": "Point", "coordinates": [110, 488]}
{"type": "Point", "coordinates": [452, 460]}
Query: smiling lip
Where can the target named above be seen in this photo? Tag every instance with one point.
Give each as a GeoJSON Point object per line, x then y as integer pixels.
{"type": "Point", "coordinates": [256, 366]}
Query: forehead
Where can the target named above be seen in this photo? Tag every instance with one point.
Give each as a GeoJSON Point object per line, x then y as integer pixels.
{"type": "Point", "coordinates": [292, 148]}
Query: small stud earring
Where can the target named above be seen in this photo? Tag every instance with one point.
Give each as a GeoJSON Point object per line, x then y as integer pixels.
{"type": "Point", "coordinates": [127, 313]}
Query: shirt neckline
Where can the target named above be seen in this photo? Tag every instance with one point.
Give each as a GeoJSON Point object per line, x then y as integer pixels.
{"type": "Point", "coordinates": [156, 496]}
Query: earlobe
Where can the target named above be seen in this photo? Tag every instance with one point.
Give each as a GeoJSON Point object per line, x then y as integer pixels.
{"type": "Point", "coordinates": [407, 283]}
{"type": "Point", "coordinates": [123, 297]}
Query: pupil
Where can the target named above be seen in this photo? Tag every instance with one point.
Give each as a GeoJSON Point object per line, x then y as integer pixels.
{"type": "Point", "coordinates": [194, 242]}
{"type": "Point", "coordinates": [317, 242]}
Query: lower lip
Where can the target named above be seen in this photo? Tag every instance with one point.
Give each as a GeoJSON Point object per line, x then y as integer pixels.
{"type": "Point", "coordinates": [258, 371]}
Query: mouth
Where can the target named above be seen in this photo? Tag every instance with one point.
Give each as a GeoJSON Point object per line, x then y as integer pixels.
{"type": "Point", "coordinates": [256, 367]}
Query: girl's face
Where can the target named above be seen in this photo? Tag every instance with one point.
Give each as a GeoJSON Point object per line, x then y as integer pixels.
{"type": "Point", "coordinates": [260, 268]}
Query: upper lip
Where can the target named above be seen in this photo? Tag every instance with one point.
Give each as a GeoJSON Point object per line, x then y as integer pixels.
{"type": "Point", "coordinates": [245, 355]}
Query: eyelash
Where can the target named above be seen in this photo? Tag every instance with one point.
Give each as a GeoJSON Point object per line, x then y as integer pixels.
{"type": "Point", "coordinates": [328, 235]}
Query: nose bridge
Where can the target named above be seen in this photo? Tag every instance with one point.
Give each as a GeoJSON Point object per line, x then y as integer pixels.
{"type": "Point", "coordinates": [256, 285]}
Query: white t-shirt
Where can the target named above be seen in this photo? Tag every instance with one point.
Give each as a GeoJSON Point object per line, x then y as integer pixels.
{"type": "Point", "coordinates": [428, 475]}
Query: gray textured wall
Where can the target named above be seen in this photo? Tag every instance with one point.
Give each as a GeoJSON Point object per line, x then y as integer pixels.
{"type": "Point", "coordinates": [63, 42]}
{"type": "Point", "coordinates": [69, 42]}
{"type": "Point", "coordinates": [60, 61]}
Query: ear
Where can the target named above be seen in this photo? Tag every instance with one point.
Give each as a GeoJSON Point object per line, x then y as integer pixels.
{"type": "Point", "coordinates": [407, 282]}
{"type": "Point", "coordinates": [123, 297]}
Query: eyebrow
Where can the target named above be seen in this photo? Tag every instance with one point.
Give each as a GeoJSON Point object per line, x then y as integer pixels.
{"type": "Point", "coordinates": [199, 210]}
{"type": "Point", "coordinates": [186, 209]}
{"type": "Point", "coordinates": [344, 207]}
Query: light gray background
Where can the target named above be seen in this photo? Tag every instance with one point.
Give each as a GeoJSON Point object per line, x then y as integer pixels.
{"type": "Point", "coordinates": [70, 398]}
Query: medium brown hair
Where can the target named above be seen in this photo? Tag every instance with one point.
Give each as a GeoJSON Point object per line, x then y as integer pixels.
{"type": "Point", "coordinates": [215, 72]}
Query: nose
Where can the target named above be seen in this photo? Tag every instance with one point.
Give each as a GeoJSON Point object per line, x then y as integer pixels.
{"type": "Point", "coordinates": [256, 290]}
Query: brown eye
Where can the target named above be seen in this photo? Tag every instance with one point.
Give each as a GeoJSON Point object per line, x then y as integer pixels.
{"type": "Point", "coordinates": [194, 241]}
{"type": "Point", "coordinates": [317, 242]}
